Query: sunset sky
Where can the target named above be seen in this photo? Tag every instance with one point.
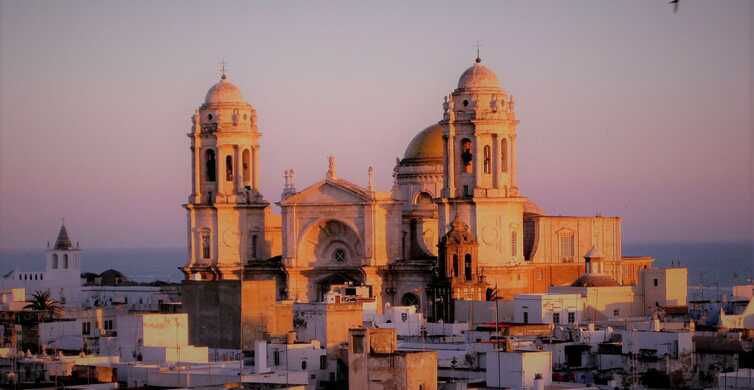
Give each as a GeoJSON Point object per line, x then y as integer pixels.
{"type": "Point", "coordinates": [626, 108]}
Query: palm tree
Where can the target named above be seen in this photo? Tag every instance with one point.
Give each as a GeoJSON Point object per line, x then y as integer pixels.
{"type": "Point", "coordinates": [41, 301]}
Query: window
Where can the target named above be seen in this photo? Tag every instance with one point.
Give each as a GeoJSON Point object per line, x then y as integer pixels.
{"type": "Point", "coordinates": [655, 282]}
{"type": "Point", "coordinates": [108, 324]}
{"type": "Point", "coordinates": [86, 328]}
{"type": "Point", "coordinates": [566, 245]}
{"type": "Point", "coordinates": [466, 155]}
{"type": "Point", "coordinates": [526, 317]}
{"type": "Point", "coordinates": [245, 166]}
{"type": "Point", "coordinates": [358, 344]}
{"type": "Point", "coordinates": [487, 162]}
{"type": "Point", "coordinates": [555, 318]}
{"type": "Point", "coordinates": [65, 261]}
{"type": "Point", "coordinates": [514, 243]}
{"type": "Point", "coordinates": [228, 168]}
{"type": "Point", "coordinates": [466, 191]}
{"type": "Point", "coordinates": [504, 155]}
{"type": "Point", "coordinates": [211, 165]}
{"type": "Point", "coordinates": [616, 313]}
{"type": "Point", "coordinates": [467, 266]}
{"type": "Point", "coordinates": [455, 266]}
{"type": "Point", "coordinates": [424, 199]}
{"type": "Point", "coordinates": [55, 261]}
{"type": "Point", "coordinates": [253, 244]}
{"type": "Point", "coordinates": [571, 318]}
{"type": "Point", "coordinates": [303, 364]}
{"type": "Point", "coordinates": [339, 255]}
{"type": "Point", "coordinates": [276, 358]}
{"type": "Point", "coordinates": [205, 244]}
{"type": "Point", "coordinates": [323, 362]}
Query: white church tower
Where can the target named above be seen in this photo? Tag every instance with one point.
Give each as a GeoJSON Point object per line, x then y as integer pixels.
{"type": "Point", "coordinates": [479, 158]}
{"type": "Point", "coordinates": [226, 212]}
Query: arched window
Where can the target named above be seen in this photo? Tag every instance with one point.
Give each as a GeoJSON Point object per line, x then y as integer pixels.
{"type": "Point", "coordinates": [228, 168]}
{"type": "Point", "coordinates": [65, 261]}
{"type": "Point", "coordinates": [467, 266]}
{"type": "Point", "coordinates": [487, 162]}
{"type": "Point", "coordinates": [211, 165]}
{"type": "Point", "coordinates": [55, 261]}
{"type": "Point", "coordinates": [424, 199]}
{"type": "Point", "coordinates": [410, 299]}
{"type": "Point", "coordinates": [467, 156]}
{"type": "Point", "coordinates": [206, 249]}
{"type": "Point", "coordinates": [455, 266]}
{"type": "Point", "coordinates": [514, 243]}
{"type": "Point", "coordinates": [245, 164]}
{"type": "Point", "coordinates": [504, 155]}
{"type": "Point", "coordinates": [566, 242]}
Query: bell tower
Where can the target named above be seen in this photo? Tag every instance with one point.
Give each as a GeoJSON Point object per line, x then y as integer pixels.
{"type": "Point", "coordinates": [226, 212]}
{"type": "Point", "coordinates": [479, 157]}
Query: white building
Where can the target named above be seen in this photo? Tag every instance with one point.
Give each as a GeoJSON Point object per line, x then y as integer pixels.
{"type": "Point", "coordinates": [518, 370]}
{"type": "Point", "coordinates": [657, 343]}
{"type": "Point", "coordinates": [61, 277]}
{"type": "Point", "coordinates": [404, 319]}
{"type": "Point", "coordinates": [12, 299]}
{"type": "Point", "coordinates": [157, 338]}
{"type": "Point", "coordinates": [557, 309]}
{"type": "Point", "coordinates": [136, 297]}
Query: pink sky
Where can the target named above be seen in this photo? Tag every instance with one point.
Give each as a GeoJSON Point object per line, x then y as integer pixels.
{"type": "Point", "coordinates": [626, 108]}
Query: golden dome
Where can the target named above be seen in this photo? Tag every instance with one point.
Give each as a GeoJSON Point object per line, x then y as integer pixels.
{"type": "Point", "coordinates": [224, 92]}
{"type": "Point", "coordinates": [427, 144]}
{"type": "Point", "coordinates": [478, 76]}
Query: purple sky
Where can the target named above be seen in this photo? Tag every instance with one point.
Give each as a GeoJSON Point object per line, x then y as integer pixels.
{"type": "Point", "coordinates": [626, 108]}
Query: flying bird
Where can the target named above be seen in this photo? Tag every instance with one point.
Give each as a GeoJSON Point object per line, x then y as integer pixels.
{"type": "Point", "coordinates": [675, 5]}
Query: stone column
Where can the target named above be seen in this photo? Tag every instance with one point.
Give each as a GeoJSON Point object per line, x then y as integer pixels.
{"type": "Point", "coordinates": [220, 173]}
{"type": "Point", "coordinates": [239, 169]}
{"type": "Point", "coordinates": [495, 154]}
{"type": "Point", "coordinates": [450, 152]}
{"type": "Point", "coordinates": [255, 168]}
{"type": "Point", "coordinates": [196, 168]}
{"type": "Point", "coordinates": [513, 160]}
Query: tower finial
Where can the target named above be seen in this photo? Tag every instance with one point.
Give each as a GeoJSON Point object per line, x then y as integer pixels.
{"type": "Point", "coordinates": [331, 168]}
{"type": "Point", "coordinates": [221, 65]}
{"type": "Point", "coordinates": [478, 58]}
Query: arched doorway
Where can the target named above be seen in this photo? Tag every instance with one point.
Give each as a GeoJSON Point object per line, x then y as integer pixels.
{"type": "Point", "coordinates": [410, 299]}
{"type": "Point", "coordinates": [351, 278]}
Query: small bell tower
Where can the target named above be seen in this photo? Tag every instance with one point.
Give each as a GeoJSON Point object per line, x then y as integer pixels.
{"type": "Point", "coordinates": [226, 211]}
{"type": "Point", "coordinates": [480, 186]}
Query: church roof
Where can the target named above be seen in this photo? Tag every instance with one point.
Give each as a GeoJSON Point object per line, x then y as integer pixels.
{"type": "Point", "coordinates": [63, 242]}
{"type": "Point", "coordinates": [595, 280]}
{"type": "Point", "coordinates": [478, 76]}
{"type": "Point", "coordinates": [427, 144]}
{"type": "Point", "coordinates": [224, 92]}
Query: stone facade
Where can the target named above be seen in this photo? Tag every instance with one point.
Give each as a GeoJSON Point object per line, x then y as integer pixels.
{"type": "Point", "coordinates": [461, 170]}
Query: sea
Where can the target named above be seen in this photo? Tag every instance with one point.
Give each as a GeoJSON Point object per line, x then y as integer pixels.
{"type": "Point", "coordinates": [711, 265]}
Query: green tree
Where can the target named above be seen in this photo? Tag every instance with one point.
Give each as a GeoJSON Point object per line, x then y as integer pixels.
{"type": "Point", "coordinates": [41, 301]}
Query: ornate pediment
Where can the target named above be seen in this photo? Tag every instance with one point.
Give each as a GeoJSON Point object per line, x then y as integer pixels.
{"type": "Point", "coordinates": [330, 191]}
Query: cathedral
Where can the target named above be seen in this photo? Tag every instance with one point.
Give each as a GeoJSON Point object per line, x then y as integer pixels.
{"type": "Point", "coordinates": [454, 226]}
